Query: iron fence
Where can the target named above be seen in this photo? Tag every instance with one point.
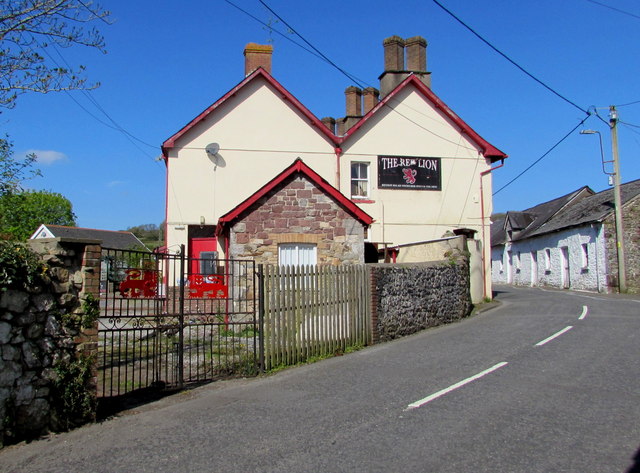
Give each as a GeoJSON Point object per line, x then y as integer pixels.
{"type": "Point", "coordinates": [168, 320]}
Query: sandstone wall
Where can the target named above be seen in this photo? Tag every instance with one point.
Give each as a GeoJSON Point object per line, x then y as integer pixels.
{"type": "Point", "coordinates": [299, 212]}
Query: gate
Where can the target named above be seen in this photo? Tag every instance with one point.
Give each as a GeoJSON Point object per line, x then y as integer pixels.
{"type": "Point", "coordinates": [167, 320]}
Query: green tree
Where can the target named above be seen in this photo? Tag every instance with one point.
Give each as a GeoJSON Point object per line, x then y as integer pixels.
{"type": "Point", "coordinates": [22, 213]}
{"type": "Point", "coordinates": [31, 28]}
{"type": "Point", "coordinates": [12, 171]}
{"type": "Point", "coordinates": [150, 234]}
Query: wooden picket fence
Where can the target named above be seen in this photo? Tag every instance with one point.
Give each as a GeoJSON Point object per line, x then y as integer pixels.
{"type": "Point", "coordinates": [312, 311]}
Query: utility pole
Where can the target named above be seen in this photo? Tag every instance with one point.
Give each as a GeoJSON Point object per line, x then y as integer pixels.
{"type": "Point", "coordinates": [613, 122]}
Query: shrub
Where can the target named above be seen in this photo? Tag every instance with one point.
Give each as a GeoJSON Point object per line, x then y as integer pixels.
{"type": "Point", "coordinates": [20, 267]}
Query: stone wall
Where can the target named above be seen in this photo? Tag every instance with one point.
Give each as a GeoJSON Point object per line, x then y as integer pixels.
{"type": "Point", "coordinates": [298, 212]}
{"type": "Point", "coordinates": [631, 226]}
{"type": "Point", "coordinates": [410, 297]}
{"type": "Point", "coordinates": [48, 341]}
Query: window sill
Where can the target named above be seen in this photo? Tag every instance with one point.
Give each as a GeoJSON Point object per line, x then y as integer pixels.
{"type": "Point", "coordinates": [357, 200]}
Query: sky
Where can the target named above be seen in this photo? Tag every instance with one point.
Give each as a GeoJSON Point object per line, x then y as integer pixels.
{"type": "Point", "coordinates": [167, 61]}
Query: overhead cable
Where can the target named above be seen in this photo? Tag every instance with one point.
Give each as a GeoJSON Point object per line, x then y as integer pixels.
{"type": "Point", "coordinates": [349, 76]}
{"type": "Point", "coordinates": [509, 59]}
{"type": "Point", "coordinates": [627, 104]}
{"type": "Point", "coordinates": [615, 9]}
{"type": "Point", "coordinates": [543, 156]}
{"type": "Point", "coordinates": [361, 83]}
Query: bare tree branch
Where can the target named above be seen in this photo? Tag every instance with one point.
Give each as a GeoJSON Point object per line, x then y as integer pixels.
{"type": "Point", "coordinates": [29, 27]}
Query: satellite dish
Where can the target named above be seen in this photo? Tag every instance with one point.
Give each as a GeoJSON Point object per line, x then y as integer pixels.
{"type": "Point", "coordinates": [212, 149]}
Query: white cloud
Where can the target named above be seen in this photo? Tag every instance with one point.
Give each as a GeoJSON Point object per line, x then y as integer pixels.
{"type": "Point", "coordinates": [46, 156]}
{"type": "Point", "coordinates": [116, 183]}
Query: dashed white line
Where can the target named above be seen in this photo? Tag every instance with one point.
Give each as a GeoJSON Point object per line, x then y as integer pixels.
{"type": "Point", "coordinates": [453, 387]}
{"type": "Point", "coordinates": [585, 311]}
{"type": "Point", "coordinates": [555, 335]}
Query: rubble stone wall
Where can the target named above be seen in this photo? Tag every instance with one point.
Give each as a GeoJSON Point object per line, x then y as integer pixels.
{"type": "Point", "coordinates": [410, 297]}
{"type": "Point", "coordinates": [48, 342]}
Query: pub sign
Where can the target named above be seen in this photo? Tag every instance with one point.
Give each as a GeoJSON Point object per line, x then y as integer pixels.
{"type": "Point", "coordinates": [406, 172]}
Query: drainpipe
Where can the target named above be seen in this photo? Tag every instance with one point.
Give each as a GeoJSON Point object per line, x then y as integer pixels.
{"type": "Point", "coordinates": [338, 154]}
{"type": "Point", "coordinates": [482, 217]}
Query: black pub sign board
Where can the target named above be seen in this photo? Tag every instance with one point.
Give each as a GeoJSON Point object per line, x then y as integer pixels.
{"type": "Point", "coordinates": [406, 172]}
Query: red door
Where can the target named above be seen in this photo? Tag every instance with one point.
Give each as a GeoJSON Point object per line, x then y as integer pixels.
{"type": "Point", "coordinates": [201, 252]}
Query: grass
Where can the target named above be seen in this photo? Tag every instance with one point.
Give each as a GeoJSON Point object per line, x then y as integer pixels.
{"type": "Point", "coordinates": [315, 358]}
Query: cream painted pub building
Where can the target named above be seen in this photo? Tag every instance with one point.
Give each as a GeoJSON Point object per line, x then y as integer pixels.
{"type": "Point", "coordinates": [411, 168]}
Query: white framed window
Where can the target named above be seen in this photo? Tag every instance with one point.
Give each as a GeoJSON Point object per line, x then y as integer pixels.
{"type": "Point", "coordinates": [297, 254]}
{"type": "Point", "coordinates": [547, 259]}
{"type": "Point", "coordinates": [585, 255]}
{"type": "Point", "coordinates": [360, 180]}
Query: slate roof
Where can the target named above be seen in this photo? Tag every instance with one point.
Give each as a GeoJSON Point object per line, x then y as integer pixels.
{"type": "Point", "coordinates": [544, 212]}
{"type": "Point", "coordinates": [580, 207]}
{"type": "Point", "coordinates": [528, 221]}
{"type": "Point", "coordinates": [498, 232]}
{"type": "Point", "coordinates": [594, 208]}
{"type": "Point", "coordinates": [119, 240]}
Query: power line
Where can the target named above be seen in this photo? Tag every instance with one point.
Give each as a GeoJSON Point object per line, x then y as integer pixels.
{"type": "Point", "coordinates": [349, 76]}
{"type": "Point", "coordinates": [629, 124]}
{"type": "Point", "coordinates": [271, 28]}
{"type": "Point", "coordinates": [543, 156]}
{"type": "Point", "coordinates": [627, 104]}
{"type": "Point", "coordinates": [509, 59]}
{"type": "Point", "coordinates": [116, 126]}
{"type": "Point", "coordinates": [615, 9]}
{"type": "Point", "coordinates": [361, 83]}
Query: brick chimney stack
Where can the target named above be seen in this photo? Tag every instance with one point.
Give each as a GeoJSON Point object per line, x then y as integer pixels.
{"type": "Point", "coordinates": [395, 71]}
{"type": "Point", "coordinates": [370, 98]}
{"type": "Point", "coordinates": [353, 98]}
{"type": "Point", "coordinates": [330, 123]}
{"type": "Point", "coordinates": [416, 49]}
{"type": "Point", "coordinates": [393, 54]}
{"type": "Point", "coordinates": [257, 55]}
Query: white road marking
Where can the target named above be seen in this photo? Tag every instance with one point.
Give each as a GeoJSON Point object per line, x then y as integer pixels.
{"type": "Point", "coordinates": [555, 335]}
{"type": "Point", "coordinates": [585, 311]}
{"type": "Point", "coordinates": [427, 399]}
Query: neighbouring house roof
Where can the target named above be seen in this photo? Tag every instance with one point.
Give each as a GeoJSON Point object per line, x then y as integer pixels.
{"type": "Point", "coordinates": [591, 209]}
{"type": "Point", "coordinates": [518, 221]}
{"type": "Point", "coordinates": [298, 166]}
{"type": "Point", "coordinates": [488, 150]}
{"type": "Point", "coordinates": [542, 213]}
{"type": "Point", "coordinates": [498, 231]}
{"type": "Point", "coordinates": [517, 225]}
{"type": "Point", "coordinates": [119, 240]}
{"type": "Point", "coordinates": [580, 207]}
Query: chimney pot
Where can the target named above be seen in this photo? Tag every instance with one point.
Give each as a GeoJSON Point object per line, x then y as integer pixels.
{"type": "Point", "coordinates": [416, 50]}
{"type": "Point", "coordinates": [257, 55]}
{"type": "Point", "coordinates": [393, 53]}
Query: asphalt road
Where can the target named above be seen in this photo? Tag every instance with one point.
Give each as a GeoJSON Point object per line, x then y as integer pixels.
{"type": "Point", "coordinates": [546, 382]}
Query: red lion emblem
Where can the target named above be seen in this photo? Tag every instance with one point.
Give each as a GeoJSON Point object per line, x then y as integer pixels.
{"type": "Point", "coordinates": [409, 175]}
